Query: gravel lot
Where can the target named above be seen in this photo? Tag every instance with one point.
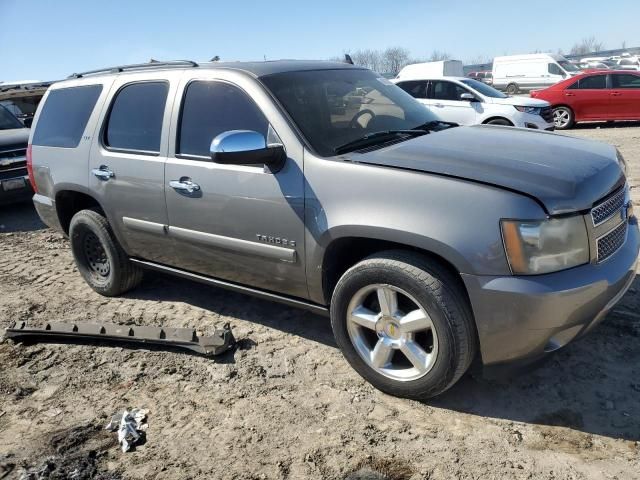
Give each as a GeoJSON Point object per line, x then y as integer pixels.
{"type": "Point", "coordinates": [285, 404]}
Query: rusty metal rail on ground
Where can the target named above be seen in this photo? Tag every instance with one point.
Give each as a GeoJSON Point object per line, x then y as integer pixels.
{"type": "Point", "coordinates": [185, 338]}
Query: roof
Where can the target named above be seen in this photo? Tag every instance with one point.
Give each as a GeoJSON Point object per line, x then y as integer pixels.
{"type": "Point", "coordinates": [256, 69]}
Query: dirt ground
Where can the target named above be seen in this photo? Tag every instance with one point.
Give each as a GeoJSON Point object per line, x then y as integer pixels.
{"type": "Point", "coordinates": [286, 404]}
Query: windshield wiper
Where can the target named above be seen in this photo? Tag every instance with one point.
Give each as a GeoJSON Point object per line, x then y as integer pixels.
{"type": "Point", "coordinates": [375, 137]}
{"type": "Point", "coordinates": [435, 124]}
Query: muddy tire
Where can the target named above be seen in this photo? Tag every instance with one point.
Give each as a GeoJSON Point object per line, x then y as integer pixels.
{"type": "Point", "coordinates": [102, 262]}
{"type": "Point", "coordinates": [403, 322]}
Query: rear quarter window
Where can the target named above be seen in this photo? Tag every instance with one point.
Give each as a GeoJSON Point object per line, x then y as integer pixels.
{"type": "Point", "coordinates": [65, 115]}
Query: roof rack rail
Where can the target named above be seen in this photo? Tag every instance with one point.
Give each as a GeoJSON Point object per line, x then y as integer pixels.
{"type": "Point", "coordinates": [137, 66]}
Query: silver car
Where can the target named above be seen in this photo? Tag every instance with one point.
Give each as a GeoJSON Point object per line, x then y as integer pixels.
{"type": "Point", "coordinates": [324, 186]}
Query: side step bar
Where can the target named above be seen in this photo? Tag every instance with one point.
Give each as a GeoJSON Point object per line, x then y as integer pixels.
{"type": "Point", "coordinates": [185, 338]}
{"type": "Point", "coordinates": [274, 297]}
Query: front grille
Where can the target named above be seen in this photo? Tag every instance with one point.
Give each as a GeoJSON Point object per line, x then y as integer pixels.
{"type": "Point", "coordinates": [547, 114]}
{"type": "Point", "coordinates": [611, 242]}
{"type": "Point", "coordinates": [13, 151]}
{"type": "Point", "coordinates": [605, 210]}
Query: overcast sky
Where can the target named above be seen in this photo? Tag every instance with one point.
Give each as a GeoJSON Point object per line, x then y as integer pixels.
{"type": "Point", "coordinates": [46, 40]}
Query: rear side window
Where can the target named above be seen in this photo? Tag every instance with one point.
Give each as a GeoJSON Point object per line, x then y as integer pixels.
{"type": "Point", "coordinates": [64, 116]}
{"type": "Point", "coordinates": [135, 119]}
{"type": "Point", "coordinates": [416, 89]}
{"type": "Point", "coordinates": [212, 108]}
{"type": "Point", "coordinates": [595, 82]}
{"type": "Point", "coordinates": [626, 81]}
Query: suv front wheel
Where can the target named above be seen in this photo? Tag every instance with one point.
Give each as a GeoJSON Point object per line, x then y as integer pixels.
{"type": "Point", "coordinates": [101, 260]}
{"type": "Point", "coordinates": [404, 324]}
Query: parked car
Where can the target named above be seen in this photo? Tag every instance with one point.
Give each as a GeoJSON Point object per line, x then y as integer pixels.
{"type": "Point", "coordinates": [593, 66]}
{"type": "Point", "coordinates": [469, 102]}
{"type": "Point", "coordinates": [523, 73]}
{"type": "Point", "coordinates": [14, 180]}
{"type": "Point", "coordinates": [424, 242]}
{"type": "Point", "coordinates": [484, 77]}
{"type": "Point", "coordinates": [628, 64]}
{"type": "Point", "coordinates": [594, 96]}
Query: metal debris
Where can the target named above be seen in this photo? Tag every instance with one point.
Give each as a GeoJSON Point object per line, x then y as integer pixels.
{"type": "Point", "coordinates": [130, 425]}
{"type": "Point", "coordinates": [220, 342]}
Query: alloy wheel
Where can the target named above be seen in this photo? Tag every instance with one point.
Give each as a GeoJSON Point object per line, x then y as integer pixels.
{"type": "Point", "coordinates": [392, 332]}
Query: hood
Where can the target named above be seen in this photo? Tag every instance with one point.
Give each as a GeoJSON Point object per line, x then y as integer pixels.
{"type": "Point", "coordinates": [520, 101]}
{"type": "Point", "coordinates": [14, 136]}
{"type": "Point", "coordinates": [564, 174]}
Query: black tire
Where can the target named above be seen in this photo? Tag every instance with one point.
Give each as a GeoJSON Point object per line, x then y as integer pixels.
{"type": "Point", "coordinates": [512, 89]}
{"type": "Point", "coordinates": [438, 292]}
{"type": "Point", "coordinates": [500, 121]}
{"type": "Point", "coordinates": [565, 112]}
{"type": "Point", "coordinates": [102, 262]}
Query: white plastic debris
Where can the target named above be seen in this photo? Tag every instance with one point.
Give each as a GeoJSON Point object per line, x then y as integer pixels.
{"type": "Point", "coordinates": [129, 425]}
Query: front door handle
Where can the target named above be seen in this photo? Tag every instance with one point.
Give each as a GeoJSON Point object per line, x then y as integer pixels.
{"type": "Point", "coordinates": [184, 185]}
{"type": "Point", "coordinates": [615, 94]}
{"type": "Point", "coordinates": [439, 105]}
{"type": "Point", "coordinates": [103, 172]}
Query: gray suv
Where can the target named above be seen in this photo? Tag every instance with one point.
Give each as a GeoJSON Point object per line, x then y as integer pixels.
{"type": "Point", "coordinates": [324, 186]}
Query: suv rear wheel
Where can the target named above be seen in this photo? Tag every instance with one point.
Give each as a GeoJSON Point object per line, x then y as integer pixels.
{"type": "Point", "coordinates": [404, 324]}
{"type": "Point", "coordinates": [99, 257]}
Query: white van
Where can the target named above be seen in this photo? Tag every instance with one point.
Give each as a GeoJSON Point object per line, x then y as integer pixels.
{"type": "Point", "coordinates": [443, 68]}
{"type": "Point", "coordinates": [523, 73]}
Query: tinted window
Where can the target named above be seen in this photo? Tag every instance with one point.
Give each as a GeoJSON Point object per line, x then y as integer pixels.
{"type": "Point", "coordinates": [64, 116]}
{"type": "Point", "coordinates": [415, 89]}
{"type": "Point", "coordinates": [447, 90]}
{"type": "Point", "coordinates": [135, 120]}
{"type": "Point", "coordinates": [626, 81]}
{"type": "Point", "coordinates": [212, 108]}
{"type": "Point", "coordinates": [593, 82]}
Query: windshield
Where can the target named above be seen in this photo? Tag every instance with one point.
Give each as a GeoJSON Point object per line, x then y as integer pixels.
{"type": "Point", "coordinates": [483, 88]}
{"type": "Point", "coordinates": [568, 66]}
{"type": "Point", "coordinates": [334, 107]}
{"type": "Point", "coordinates": [8, 121]}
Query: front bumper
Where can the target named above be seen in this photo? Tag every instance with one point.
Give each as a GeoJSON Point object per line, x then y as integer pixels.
{"type": "Point", "coordinates": [522, 318]}
{"type": "Point", "coordinates": [535, 122]}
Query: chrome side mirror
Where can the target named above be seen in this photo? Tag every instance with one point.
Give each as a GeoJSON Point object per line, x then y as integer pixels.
{"type": "Point", "coordinates": [468, 97]}
{"type": "Point", "coordinates": [245, 147]}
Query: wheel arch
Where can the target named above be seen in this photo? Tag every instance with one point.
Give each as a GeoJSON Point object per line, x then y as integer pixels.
{"type": "Point", "coordinates": [70, 201]}
{"type": "Point", "coordinates": [342, 252]}
{"type": "Point", "coordinates": [496, 117]}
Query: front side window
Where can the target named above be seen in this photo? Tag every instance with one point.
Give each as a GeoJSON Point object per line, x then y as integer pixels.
{"type": "Point", "coordinates": [568, 66]}
{"type": "Point", "coordinates": [593, 82]}
{"type": "Point", "coordinates": [554, 69]}
{"type": "Point", "coordinates": [626, 81]}
{"type": "Point", "coordinates": [368, 104]}
{"type": "Point", "coordinates": [64, 116]}
{"type": "Point", "coordinates": [442, 90]}
{"type": "Point", "coordinates": [135, 119]}
{"type": "Point", "coordinates": [484, 89]}
{"type": "Point", "coordinates": [417, 89]}
{"type": "Point", "coordinates": [210, 108]}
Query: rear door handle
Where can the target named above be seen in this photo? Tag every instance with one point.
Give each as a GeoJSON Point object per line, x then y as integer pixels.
{"type": "Point", "coordinates": [184, 185]}
{"type": "Point", "coordinates": [615, 94]}
{"type": "Point", "coordinates": [439, 105]}
{"type": "Point", "coordinates": [103, 172]}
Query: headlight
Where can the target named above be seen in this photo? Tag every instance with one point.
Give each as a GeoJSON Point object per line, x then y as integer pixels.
{"type": "Point", "coordinates": [536, 247]}
{"type": "Point", "coordinates": [622, 162]}
{"type": "Point", "coordinates": [531, 110]}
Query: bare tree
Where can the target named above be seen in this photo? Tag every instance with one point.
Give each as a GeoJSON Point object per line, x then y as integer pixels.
{"type": "Point", "coordinates": [587, 45]}
{"type": "Point", "coordinates": [394, 58]}
{"type": "Point", "coordinates": [437, 56]}
{"type": "Point", "coordinates": [368, 58]}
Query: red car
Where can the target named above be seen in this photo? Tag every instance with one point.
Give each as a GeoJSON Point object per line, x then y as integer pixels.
{"type": "Point", "coordinates": [603, 95]}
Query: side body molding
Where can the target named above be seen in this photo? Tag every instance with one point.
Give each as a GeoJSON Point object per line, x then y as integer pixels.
{"type": "Point", "coordinates": [272, 252]}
